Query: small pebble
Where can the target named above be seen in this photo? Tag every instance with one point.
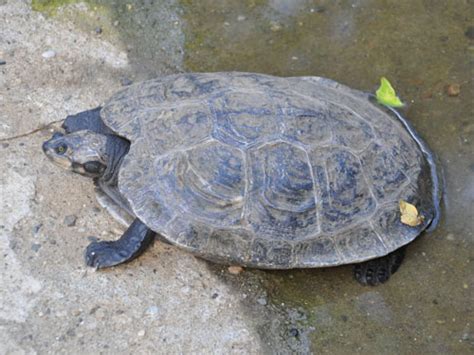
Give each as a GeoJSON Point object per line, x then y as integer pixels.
{"type": "Point", "coordinates": [275, 26]}
{"type": "Point", "coordinates": [2, 62]}
{"type": "Point", "coordinates": [48, 54]}
{"type": "Point", "coordinates": [100, 314]}
{"type": "Point", "coordinates": [13, 244]}
{"type": "Point", "coordinates": [76, 312]}
{"type": "Point", "coordinates": [319, 10]}
{"type": "Point", "coordinates": [94, 309]}
{"type": "Point", "coordinates": [262, 301]}
{"type": "Point", "coordinates": [469, 32]}
{"type": "Point", "coordinates": [141, 333]}
{"type": "Point", "coordinates": [70, 220]}
{"type": "Point", "coordinates": [126, 82]}
{"type": "Point", "coordinates": [37, 228]}
{"type": "Point", "coordinates": [35, 247]}
{"type": "Point", "coordinates": [241, 18]}
{"type": "Point", "coordinates": [214, 296]}
{"type": "Point", "coordinates": [294, 332]}
{"type": "Point", "coordinates": [116, 23]}
{"type": "Point", "coordinates": [98, 30]}
{"type": "Point", "coordinates": [235, 270]}
{"type": "Point", "coordinates": [453, 89]}
{"type": "Point", "coordinates": [152, 310]}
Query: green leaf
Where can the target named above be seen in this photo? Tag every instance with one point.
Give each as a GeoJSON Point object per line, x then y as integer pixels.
{"type": "Point", "coordinates": [386, 94]}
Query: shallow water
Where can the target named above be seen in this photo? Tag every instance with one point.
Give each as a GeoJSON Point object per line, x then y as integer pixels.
{"type": "Point", "coordinates": [422, 46]}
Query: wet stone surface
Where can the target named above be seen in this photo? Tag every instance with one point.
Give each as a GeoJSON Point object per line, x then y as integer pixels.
{"type": "Point", "coordinates": [55, 61]}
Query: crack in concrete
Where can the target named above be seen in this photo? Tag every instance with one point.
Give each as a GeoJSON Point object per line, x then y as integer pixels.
{"type": "Point", "coordinates": [39, 129]}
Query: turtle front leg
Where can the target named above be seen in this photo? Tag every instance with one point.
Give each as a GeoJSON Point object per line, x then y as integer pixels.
{"type": "Point", "coordinates": [378, 271]}
{"type": "Point", "coordinates": [130, 245]}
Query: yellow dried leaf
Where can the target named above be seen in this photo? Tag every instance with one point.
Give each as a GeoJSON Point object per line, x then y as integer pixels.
{"type": "Point", "coordinates": [409, 214]}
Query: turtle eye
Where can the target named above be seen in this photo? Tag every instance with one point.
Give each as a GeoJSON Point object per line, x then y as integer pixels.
{"type": "Point", "coordinates": [61, 149]}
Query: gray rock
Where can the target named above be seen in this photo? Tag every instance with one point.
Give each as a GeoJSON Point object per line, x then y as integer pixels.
{"type": "Point", "coordinates": [262, 301]}
{"type": "Point", "coordinates": [126, 81]}
{"type": "Point", "coordinates": [70, 220]}
{"type": "Point", "coordinates": [37, 228]}
{"type": "Point", "coordinates": [293, 332]}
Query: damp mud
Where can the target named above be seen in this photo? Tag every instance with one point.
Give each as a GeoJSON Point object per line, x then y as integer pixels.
{"type": "Point", "coordinates": [426, 50]}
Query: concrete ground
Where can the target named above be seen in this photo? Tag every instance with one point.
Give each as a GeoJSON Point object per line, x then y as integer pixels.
{"type": "Point", "coordinates": [166, 301]}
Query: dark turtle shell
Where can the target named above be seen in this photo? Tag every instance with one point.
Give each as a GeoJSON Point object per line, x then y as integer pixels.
{"type": "Point", "coordinates": [269, 172]}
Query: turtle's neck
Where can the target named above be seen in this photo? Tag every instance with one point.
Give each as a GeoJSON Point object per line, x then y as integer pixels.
{"type": "Point", "coordinates": [116, 148]}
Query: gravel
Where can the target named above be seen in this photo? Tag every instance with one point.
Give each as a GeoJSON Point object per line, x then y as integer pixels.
{"type": "Point", "coordinates": [48, 54]}
{"type": "Point", "coordinates": [70, 220]}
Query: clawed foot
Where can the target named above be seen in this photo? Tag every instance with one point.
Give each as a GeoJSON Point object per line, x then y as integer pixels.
{"type": "Point", "coordinates": [371, 273]}
{"type": "Point", "coordinates": [377, 271]}
{"type": "Point", "coordinates": [104, 254]}
{"type": "Point", "coordinates": [130, 245]}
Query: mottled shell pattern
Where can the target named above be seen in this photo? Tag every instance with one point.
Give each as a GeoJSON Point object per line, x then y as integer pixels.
{"type": "Point", "coordinates": [268, 172]}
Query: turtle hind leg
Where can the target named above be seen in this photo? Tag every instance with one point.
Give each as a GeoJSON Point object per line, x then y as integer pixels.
{"type": "Point", "coordinates": [130, 245]}
{"type": "Point", "coordinates": [377, 271]}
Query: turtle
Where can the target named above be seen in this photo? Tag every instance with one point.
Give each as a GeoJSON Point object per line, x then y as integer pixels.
{"type": "Point", "coordinates": [254, 170]}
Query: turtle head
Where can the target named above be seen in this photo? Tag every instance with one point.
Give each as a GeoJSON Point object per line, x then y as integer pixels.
{"type": "Point", "coordinates": [83, 152]}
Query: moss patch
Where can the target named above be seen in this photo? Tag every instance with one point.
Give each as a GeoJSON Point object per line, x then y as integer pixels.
{"type": "Point", "coordinates": [50, 7]}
